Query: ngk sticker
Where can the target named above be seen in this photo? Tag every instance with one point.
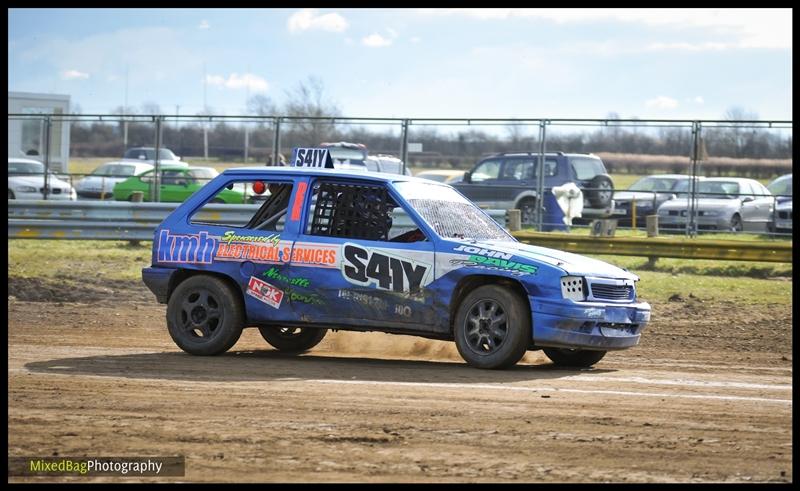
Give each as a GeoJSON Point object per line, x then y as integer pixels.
{"type": "Point", "coordinates": [264, 292]}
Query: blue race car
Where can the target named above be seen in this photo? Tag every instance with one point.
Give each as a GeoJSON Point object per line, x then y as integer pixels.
{"type": "Point", "coordinates": [362, 251]}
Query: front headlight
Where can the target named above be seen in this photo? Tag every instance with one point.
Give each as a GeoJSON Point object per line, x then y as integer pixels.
{"type": "Point", "coordinates": [573, 288]}
{"type": "Point", "coordinates": [25, 189]}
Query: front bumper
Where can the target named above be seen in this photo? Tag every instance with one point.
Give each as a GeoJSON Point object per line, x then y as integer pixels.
{"type": "Point", "coordinates": [62, 196]}
{"type": "Point", "coordinates": [703, 223]}
{"type": "Point", "coordinates": [587, 325]}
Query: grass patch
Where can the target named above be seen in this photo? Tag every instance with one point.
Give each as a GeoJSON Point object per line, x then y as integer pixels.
{"type": "Point", "coordinates": [746, 283]}
{"type": "Point", "coordinates": [92, 259]}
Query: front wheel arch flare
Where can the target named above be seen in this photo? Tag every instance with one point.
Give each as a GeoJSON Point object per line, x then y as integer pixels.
{"type": "Point", "coordinates": [469, 283]}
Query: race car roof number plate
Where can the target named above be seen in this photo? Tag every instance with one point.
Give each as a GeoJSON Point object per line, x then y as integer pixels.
{"type": "Point", "coordinates": [318, 158]}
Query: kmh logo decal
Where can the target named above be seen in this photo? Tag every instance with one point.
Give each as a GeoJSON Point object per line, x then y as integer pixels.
{"type": "Point", "coordinates": [191, 249]}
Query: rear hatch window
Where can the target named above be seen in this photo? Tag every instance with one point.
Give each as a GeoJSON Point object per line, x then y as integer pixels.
{"type": "Point", "coordinates": [586, 168]}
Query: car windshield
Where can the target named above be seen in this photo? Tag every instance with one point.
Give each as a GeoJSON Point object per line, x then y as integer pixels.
{"type": "Point", "coordinates": [781, 186]}
{"type": "Point", "coordinates": [711, 189]}
{"type": "Point", "coordinates": [25, 168]}
{"type": "Point", "coordinates": [586, 168]}
{"type": "Point", "coordinates": [653, 184]}
{"type": "Point", "coordinates": [449, 213]}
{"type": "Point", "coordinates": [115, 170]}
{"type": "Point", "coordinates": [148, 154]}
{"type": "Point", "coordinates": [203, 175]}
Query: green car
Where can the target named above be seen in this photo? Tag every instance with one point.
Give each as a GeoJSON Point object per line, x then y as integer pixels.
{"type": "Point", "coordinates": [177, 184]}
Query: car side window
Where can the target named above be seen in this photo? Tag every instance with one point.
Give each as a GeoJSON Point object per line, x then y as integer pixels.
{"type": "Point", "coordinates": [173, 177]}
{"type": "Point", "coordinates": [146, 178]}
{"type": "Point", "coordinates": [519, 170]}
{"type": "Point", "coordinates": [271, 198]}
{"type": "Point", "coordinates": [358, 211]}
{"type": "Point", "coordinates": [489, 169]}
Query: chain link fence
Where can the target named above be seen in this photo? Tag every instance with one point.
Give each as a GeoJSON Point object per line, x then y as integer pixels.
{"type": "Point", "coordinates": [631, 150]}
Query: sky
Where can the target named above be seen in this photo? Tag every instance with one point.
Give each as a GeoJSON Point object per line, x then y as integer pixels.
{"type": "Point", "coordinates": [423, 63]}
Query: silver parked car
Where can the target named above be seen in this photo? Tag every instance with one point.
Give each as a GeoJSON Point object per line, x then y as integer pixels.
{"type": "Point", "coordinates": [648, 193]}
{"type": "Point", "coordinates": [724, 203]}
{"type": "Point", "coordinates": [100, 183]}
{"type": "Point", "coordinates": [782, 215]}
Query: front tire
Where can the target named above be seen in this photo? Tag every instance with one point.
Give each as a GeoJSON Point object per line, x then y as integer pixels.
{"type": "Point", "coordinates": [736, 223]}
{"type": "Point", "coordinates": [492, 327]}
{"type": "Point", "coordinates": [527, 211]}
{"type": "Point", "coordinates": [292, 339]}
{"type": "Point", "coordinates": [205, 316]}
{"type": "Point", "coordinates": [565, 357]}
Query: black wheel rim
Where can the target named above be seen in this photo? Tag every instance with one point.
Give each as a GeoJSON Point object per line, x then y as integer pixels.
{"type": "Point", "coordinates": [200, 315]}
{"type": "Point", "coordinates": [527, 213]}
{"type": "Point", "coordinates": [486, 326]}
{"type": "Point", "coordinates": [604, 194]}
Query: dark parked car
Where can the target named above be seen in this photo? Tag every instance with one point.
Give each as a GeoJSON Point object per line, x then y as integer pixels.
{"type": "Point", "coordinates": [649, 193]}
{"type": "Point", "coordinates": [509, 180]}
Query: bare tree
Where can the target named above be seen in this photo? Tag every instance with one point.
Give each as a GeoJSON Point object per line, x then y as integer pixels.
{"type": "Point", "coordinates": [308, 99]}
{"type": "Point", "coordinates": [151, 108]}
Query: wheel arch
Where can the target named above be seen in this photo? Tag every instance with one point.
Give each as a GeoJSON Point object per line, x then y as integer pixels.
{"type": "Point", "coordinates": [523, 196]}
{"type": "Point", "coordinates": [468, 283]}
{"type": "Point", "coordinates": [184, 274]}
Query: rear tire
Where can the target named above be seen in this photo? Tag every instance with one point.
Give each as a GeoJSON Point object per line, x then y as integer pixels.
{"type": "Point", "coordinates": [527, 211]}
{"type": "Point", "coordinates": [492, 327]}
{"type": "Point", "coordinates": [205, 316]}
{"type": "Point", "coordinates": [565, 357]}
{"type": "Point", "coordinates": [292, 339]}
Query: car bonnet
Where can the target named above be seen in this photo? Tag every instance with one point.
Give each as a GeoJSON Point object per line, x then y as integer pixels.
{"type": "Point", "coordinates": [573, 264]}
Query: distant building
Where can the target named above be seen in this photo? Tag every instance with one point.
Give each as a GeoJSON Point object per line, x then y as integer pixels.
{"type": "Point", "coordinates": [26, 137]}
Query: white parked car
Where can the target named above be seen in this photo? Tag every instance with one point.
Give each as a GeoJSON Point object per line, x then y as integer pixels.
{"type": "Point", "coordinates": [100, 183]}
{"type": "Point", "coordinates": [386, 163]}
{"type": "Point", "coordinates": [26, 181]}
{"type": "Point", "coordinates": [148, 154]}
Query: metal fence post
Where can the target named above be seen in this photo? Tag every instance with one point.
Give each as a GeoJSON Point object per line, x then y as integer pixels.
{"type": "Point", "coordinates": [276, 142]}
{"type": "Point", "coordinates": [404, 149]}
{"type": "Point", "coordinates": [691, 222]}
{"type": "Point", "coordinates": [157, 171]}
{"type": "Point", "coordinates": [47, 128]}
{"type": "Point", "coordinates": [540, 177]}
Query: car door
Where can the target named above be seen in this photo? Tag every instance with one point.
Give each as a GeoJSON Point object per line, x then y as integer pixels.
{"type": "Point", "coordinates": [346, 253]}
{"type": "Point", "coordinates": [756, 212]}
{"type": "Point", "coordinates": [516, 176]}
{"type": "Point", "coordinates": [251, 247]}
{"type": "Point", "coordinates": [174, 185]}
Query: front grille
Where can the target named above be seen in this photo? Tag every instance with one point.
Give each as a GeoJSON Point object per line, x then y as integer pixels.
{"type": "Point", "coordinates": [52, 191]}
{"type": "Point", "coordinates": [612, 292]}
{"type": "Point", "coordinates": [785, 215]}
{"type": "Point", "coordinates": [673, 213]}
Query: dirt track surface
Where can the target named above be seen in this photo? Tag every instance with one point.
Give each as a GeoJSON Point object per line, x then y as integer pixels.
{"type": "Point", "coordinates": [706, 397]}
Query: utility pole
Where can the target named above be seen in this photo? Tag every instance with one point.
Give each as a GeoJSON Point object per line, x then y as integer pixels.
{"type": "Point", "coordinates": [205, 112]}
{"type": "Point", "coordinates": [124, 112]}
